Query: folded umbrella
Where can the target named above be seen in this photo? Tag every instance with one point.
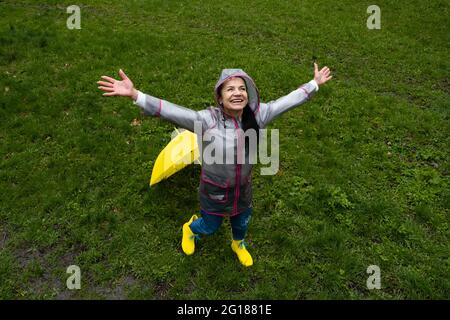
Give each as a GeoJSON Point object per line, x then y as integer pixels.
{"type": "Point", "coordinates": [179, 152]}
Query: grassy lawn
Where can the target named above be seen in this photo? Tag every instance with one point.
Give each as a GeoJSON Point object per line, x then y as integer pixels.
{"type": "Point", "coordinates": [364, 166]}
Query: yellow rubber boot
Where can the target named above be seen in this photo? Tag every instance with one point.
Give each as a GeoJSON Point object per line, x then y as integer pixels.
{"type": "Point", "coordinates": [239, 247]}
{"type": "Point", "coordinates": [188, 240]}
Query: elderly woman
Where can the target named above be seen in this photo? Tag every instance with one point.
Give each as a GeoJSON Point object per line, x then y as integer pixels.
{"type": "Point", "coordinates": [225, 187]}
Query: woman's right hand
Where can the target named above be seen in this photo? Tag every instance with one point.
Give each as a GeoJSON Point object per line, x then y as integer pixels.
{"type": "Point", "coordinates": [113, 87]}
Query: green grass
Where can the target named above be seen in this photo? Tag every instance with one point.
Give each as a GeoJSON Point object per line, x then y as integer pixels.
{"type": "Point", "coordinates": [364, 166]}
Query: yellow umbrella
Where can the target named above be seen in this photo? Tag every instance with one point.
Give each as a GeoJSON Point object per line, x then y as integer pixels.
{"type": "Point", "coordinates": [179, 152]}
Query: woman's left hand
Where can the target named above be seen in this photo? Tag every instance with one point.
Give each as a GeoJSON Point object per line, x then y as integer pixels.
{"type": "Point", "coordinates": [321, 76]}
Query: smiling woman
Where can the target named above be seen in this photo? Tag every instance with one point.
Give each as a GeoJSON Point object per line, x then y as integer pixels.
{"type": "Point", "coordinates": [233, 96]}
{"type": "Point", "coordinates": [225, 188]}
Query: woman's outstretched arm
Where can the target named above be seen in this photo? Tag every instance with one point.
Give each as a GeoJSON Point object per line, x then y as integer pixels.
{"type": "Point", "coordinates": [181, 116]}
{"type": "Point", "coordinates": [271, 110]}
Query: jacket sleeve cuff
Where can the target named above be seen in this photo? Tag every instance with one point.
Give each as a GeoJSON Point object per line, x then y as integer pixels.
{"type": "Point", "coordinates": [140, 101]}
{"type": "Point", "coordinates": [314, 83]}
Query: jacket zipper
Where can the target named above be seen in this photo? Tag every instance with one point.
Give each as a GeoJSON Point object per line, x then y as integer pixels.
{"type": "Point", "coordinates": [238, 172]}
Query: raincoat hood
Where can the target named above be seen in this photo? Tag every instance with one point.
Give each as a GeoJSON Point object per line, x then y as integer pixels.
{"type": "Point", "coordinates": [252, 90]}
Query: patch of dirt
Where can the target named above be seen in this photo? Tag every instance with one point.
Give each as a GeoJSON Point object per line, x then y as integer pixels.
{"type": "Point", "coordinates": [161, 289]}
{"type": "Point", "coordinates": [119, 291]}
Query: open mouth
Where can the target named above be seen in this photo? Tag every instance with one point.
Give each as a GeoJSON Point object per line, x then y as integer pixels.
{"type": "Point", "coordinates": [236, 101]}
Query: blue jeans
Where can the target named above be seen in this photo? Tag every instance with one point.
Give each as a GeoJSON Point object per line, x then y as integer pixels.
{"type": "Point", "coordinates": [210, 223]}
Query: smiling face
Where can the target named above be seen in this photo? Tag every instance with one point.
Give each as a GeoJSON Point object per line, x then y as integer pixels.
{"type": "Point", "coordinates": [233, 96]}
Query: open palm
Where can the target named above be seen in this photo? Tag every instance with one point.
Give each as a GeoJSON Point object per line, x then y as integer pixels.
{"type": "Point", "coordinates": [323, 75]}
{"type": "Point", "coordinates": [113, 87]}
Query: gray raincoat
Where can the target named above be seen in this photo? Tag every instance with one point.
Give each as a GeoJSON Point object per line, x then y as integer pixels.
{"type": "Point", "coordinates": [226, 188]}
